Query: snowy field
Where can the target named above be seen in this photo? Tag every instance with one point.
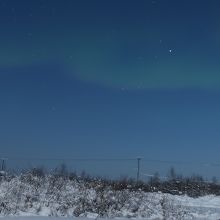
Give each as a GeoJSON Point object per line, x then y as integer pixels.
{"type": "Point", "coordinates": [207, 207]}
{"type": "Point", "coordinates": [37, 198]}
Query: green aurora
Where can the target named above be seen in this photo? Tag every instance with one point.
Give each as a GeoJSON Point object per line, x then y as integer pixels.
{"type": "Point", "coordinates": [129, 53]}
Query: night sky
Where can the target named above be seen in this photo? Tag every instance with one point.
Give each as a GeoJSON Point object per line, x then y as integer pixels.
{"type": "Point", "coordinates": [111, 79]}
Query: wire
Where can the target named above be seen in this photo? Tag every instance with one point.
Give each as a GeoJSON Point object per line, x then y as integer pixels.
{"type": "Point", "coordinates": [213, 164]}
{"type": "Point", "coordinates": [72, 159]}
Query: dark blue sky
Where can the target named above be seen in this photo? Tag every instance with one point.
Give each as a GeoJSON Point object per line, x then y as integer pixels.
{"type": "Point", "coordinates": [110, 79]}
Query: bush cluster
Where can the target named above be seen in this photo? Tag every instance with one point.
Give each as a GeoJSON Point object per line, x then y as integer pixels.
{"type": "Point", "coordinates": [61, 193]}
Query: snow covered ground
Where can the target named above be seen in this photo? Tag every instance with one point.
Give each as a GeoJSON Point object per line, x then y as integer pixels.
{"type": "Point", "coordinates": [34, 198]}
{"type": "Point", "coordinates": [203, 210]}
{"type": "Point", "coordinates": [207, 207]}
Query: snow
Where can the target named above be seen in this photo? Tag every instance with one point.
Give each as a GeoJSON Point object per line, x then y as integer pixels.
{"type": "Point", "coordinates": [33, 198]}
{"type": "Point", "coordinates": [207, 207]}
{"type": "Point", "coordinates": [46, 218]}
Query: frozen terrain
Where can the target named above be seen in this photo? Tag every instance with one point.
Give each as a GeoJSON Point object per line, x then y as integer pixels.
{"type": "Point", "coordinates": [175, 207]}
{"type": "Point", "coordinates": [26, 196]}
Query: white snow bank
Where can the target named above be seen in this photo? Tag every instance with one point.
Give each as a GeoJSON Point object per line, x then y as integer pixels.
{"type": "Point", "coordinates": [56, 197]}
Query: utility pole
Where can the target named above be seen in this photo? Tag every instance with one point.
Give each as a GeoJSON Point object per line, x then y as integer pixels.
{"type": "Point", "coordinates": [138, 169]}
{"type": "Point", "coordinates": [3, 164]}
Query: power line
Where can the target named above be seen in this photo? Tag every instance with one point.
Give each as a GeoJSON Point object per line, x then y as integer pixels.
{"type": "Point", "coordinates": [72, 159]}
{"type": "Point", "coordinates": [214, 164]}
